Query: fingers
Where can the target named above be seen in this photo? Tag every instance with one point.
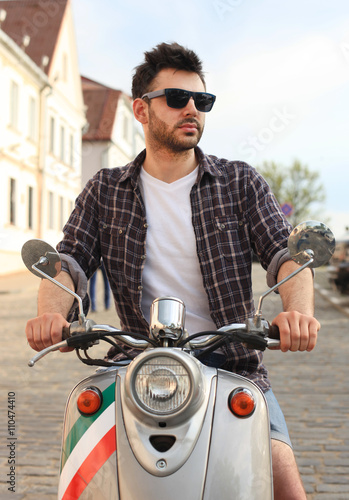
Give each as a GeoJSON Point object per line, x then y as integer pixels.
{"type": "Point", "coordinates": [298, 332]}
{"type": "Point", "coordinates": [45, 330]}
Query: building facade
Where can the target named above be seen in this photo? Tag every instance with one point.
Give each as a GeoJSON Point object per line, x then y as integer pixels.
{"type": "Point", "coordinates": [41, 120]}
{"type": "Point", "coordinates": [57, 129]}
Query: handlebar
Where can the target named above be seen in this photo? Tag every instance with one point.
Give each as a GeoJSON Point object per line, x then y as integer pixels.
{"type": "Point", "coordinates": [66, 332]}
{"type": "Point", "coordinates": [84, 336]}
{"type": "Point", "coordinates": [274, 332]}
{"type": "Point", "coordinates": [265, 336]}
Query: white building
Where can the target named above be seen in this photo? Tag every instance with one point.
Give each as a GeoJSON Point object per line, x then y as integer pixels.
{"type": "Point", "coordinates": [113, 137]}
{"type": "Point", "coordinates": [41, 120]}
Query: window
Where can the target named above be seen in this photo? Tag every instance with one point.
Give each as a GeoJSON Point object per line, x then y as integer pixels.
{"type": "Point", "coordinates": [51, 211]}
{"type": "Point", "coordinates": [62, 147]}
{"type": "Point", "coordinates": [71, 150]}
{"type": "Point", "coordinates": [52, 135]}
{"type": "Point", "coordinates": [30, 207]}
{"type": "Point", "coordinates": [32, 119]}
{"type": "Point", "coordinates": [14, 95]}
{"type": "Point", "coordinates": [61, 212]}
{"type": "Point", "coordinates": [12, 200]}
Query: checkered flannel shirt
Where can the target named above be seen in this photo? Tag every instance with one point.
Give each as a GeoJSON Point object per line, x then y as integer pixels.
{"type": "Point", "coordinates": [233, 213]}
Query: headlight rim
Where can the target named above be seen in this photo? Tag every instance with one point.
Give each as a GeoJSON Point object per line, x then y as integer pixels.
{"type": "Point", "coordinates": [194, 373]}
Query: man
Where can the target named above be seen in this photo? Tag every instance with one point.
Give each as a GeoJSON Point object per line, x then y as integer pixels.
{"type": "Point", "coordinates": [178, 222]}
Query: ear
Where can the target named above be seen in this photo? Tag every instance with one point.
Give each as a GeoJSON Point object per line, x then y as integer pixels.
{"type": "Point", "coordinates": [140, 110]}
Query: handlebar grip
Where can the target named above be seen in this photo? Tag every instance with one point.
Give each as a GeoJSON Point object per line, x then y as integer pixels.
{"type": "Point", "coordinates": [274, 332]}
{"type": "Point", "coordinates": [66, 332]}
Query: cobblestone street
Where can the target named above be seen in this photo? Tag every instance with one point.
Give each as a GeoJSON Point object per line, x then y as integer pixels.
{"type": "Point", "coordinates": [312, 389]}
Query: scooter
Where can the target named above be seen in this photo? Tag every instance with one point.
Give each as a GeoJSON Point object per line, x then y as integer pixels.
{"type": "Point", "coordinates": [163, 424]}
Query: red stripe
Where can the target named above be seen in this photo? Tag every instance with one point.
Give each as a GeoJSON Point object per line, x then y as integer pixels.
{"type": "Point", "coordinates": [91, 465]}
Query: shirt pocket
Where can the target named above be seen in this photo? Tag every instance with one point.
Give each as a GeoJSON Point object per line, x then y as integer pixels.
{"type": "Point", "coordinates": [112, 240]}
{"type": "Point", "coordinates": [123, 248]}
{"type": "Point", "coordinates": [233, 236]}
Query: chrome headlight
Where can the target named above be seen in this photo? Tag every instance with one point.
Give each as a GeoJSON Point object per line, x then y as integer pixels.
{"type": "Point", "coordinates": [164, 383]}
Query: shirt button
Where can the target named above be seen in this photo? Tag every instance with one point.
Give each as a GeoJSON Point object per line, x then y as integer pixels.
{"type": "Point", "coordinates": [120, 231]}
{"type": "Point", "coordinates": [105, 226]}
{"type": "Point", "coordinates": [140, 288]}
{"type": "Point", "coordinates": [143, 257]}
{"type": "Point", "coordinates": [145, 226]}
{"type": "Point", "coordinates": [222, 226]}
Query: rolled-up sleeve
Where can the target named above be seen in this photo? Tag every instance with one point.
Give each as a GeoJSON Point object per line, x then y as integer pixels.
{"type": "Point", "coordinates": [70, 266]}
{"type": "Point", "coordinates": [273, 268]}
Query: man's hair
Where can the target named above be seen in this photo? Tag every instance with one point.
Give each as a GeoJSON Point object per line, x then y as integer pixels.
{"type": "Point", "coordinates": [164, 56]}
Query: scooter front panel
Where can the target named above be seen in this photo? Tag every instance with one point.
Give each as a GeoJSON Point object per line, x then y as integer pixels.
{"type": "Point", "coordinates": [183, 425]}
{"type": "Point", "coordinates": [239, 464]}
{"type": "Point", "coordinates": [100, 487]}
{"type": "Point", "coordinates": [89, 445]}
{"type": "Point", "coordinates": [185, 482]}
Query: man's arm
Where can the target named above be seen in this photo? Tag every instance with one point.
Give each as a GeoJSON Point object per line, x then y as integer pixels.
{"type": "Point", "coordinates": [54, 305]}
{"type": "Point", "coordinates": [297, 325]}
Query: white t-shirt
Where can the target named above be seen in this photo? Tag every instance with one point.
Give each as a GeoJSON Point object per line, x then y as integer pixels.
{"type": "Point", "coordinates": [172, 266]}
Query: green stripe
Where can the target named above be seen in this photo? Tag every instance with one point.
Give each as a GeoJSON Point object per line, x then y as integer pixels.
{"type": "Point", "coordinates": [84, 422]}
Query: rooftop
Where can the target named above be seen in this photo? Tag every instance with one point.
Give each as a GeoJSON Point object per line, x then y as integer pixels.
{"type": "Point", "coordinates": [101, 102]}
{"type": "Point", "coordinates": [39, 20]}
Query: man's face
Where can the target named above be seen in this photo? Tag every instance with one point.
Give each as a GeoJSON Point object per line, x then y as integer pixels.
{"type": "Point", "coordinates": [175, 130]}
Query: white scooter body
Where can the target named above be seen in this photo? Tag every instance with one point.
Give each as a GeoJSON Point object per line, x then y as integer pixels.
{"type": "Point", "coordinates": [216, 454]}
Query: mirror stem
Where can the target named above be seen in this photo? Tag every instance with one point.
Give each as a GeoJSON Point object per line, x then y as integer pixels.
{"type": "Point", "coordinates": [258, 315]}
{"type": "Point", "coordinates": [44, 261]}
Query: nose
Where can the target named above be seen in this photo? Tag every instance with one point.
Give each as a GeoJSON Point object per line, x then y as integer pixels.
{"type": "Point", "coordinates": [190, 108]}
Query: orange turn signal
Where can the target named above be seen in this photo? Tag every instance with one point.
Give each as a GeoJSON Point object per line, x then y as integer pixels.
{"type": "Point", "coordinates": [89, 401]}
{"type": "Point", "coordinates": [241, 402]}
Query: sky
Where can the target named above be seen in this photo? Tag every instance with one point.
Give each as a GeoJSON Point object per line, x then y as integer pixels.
{"type": "Point", "coordinates": [280, 71]}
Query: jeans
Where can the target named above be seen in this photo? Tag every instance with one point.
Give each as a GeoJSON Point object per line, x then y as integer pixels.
{"type": "Point", "coordinates": [93, 280]}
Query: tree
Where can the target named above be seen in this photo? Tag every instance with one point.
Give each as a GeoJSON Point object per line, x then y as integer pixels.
{"type": "Point", "coordinates": [297, 186]}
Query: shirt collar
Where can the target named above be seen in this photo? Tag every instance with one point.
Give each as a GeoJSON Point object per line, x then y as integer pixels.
{"type": "Point", "coordinates": [207, 164]}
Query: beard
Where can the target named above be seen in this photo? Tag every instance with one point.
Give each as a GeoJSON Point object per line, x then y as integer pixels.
{"type": "Point", "coordinates": [164, 137]}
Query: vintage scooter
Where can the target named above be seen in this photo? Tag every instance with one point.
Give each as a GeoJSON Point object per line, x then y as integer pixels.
{"type": "Point", "coordinates": [164, 425]}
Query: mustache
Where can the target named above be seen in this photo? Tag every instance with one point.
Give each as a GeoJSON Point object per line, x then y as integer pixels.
{"type": "Point", "coordinates": [189, 120]}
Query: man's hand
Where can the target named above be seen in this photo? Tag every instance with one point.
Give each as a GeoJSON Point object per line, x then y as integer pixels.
{"type": "Point", "coordinates": [297, 325]}
{"type": "Point", "coordinates": [54, 305]}
{"type": "Point", "coordinates": [298, 332]}
{"type": "Point", "coordinates": [46, 330]}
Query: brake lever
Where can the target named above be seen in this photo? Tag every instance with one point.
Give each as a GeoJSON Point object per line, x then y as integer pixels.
{"type": "Point", "coordinates": [72, 337]}
{"type": "Point", "coordinates": [47, 350]}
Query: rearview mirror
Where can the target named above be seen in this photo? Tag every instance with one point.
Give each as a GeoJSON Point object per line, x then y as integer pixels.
{"type": "Point", "coordinates": [43, 257]}
{"type": "Point", "coordinates": [311, 244]}
{"type": "Point", "coordinates": [311, 239]}
{"type": "Point", "coordinates": [42, 260]}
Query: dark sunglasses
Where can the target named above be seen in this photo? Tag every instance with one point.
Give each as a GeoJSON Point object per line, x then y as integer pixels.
{"type": "Point", "coordinates": [178, 98]}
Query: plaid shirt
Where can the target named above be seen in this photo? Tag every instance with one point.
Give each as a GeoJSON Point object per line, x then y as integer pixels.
{"type": "Point", "coordinates": [233, 213]}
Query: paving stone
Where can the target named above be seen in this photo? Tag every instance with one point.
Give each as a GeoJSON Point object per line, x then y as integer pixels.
{"type": "Point", "coordinates": [326, 496]}
{"type": "Point", "coordinates": [333, 488]}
